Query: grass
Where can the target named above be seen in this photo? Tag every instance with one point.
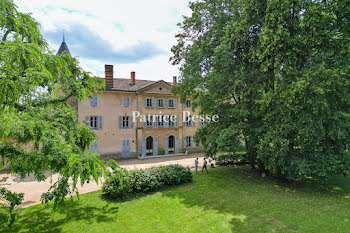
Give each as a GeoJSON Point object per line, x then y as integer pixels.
{"type": "Point", "coordinates": [225, 200]}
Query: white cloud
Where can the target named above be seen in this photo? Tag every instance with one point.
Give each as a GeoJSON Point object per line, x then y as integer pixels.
{"type": "Point", "coordinates": [121, 25]}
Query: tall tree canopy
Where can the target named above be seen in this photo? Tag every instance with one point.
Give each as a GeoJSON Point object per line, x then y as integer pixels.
{"type": "Point", "coordinates": [278, 74]}
{"type": "Point", "coordinates": [39, 130]}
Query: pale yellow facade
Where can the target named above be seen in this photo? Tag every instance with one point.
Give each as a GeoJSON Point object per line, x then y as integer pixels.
{"type": "Point", "coordinates": [113, 140]}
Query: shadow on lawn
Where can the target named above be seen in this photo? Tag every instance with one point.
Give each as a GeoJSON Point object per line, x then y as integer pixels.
{"type": "Point", "coordinates": [242, 193]}
{"type": "Point", "coordinates": [44, 219]}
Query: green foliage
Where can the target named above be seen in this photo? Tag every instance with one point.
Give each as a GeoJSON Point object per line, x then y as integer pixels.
{"type": "Point", "coordinates": [277, 73]}
{"type": "Point", "coordinates": [125, 183]}
{"type": "Point", "coordinates": [161, 151]}
{"type": "Point", "coordinates": [9, 200]}
{"type": "Point", "coordinates": [39, 130]}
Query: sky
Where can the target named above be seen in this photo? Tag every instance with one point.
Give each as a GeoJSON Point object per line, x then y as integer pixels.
{"type": "Point", "coordinates": [132, 35]}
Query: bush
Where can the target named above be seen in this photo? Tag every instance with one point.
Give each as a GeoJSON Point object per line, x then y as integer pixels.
{"type": "Point", "coordinates": [161, 151]}
{"type": "Point", "coordinates": [126, 183]}
{"type": "Point", "coordinates": [231, 158]}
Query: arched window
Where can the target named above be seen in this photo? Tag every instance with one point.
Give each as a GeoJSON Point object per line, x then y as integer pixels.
{"type": "Point", "coordinates": [171, 144]}
{"type": "Point", "coordinates": [149, 145]}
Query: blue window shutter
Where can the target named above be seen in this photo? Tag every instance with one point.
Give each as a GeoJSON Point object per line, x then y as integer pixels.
{"type": "Point", "coordinates": [143, 146]}
{"type": "Point", "coordinates": [175, 103]}
{"type": "Point", "coordinates": [155, 145]}
{"type": "Point", "coordinates": [87, 119]}
{"type": "Point", "coordinates": [126, 101]}
{"type": "Point", "coordinates": [155, 102]}
{"type": "Point", "coordinates": [177, 145]}
{"type": "Point", "coordinates": [132, 122]}
{"type": "Point", "coordinates": [193, 123]}
{"type": "Point", "coordinates": [166, 103]}
{"type": "Point", "coordinates": [166, 123]}
{"type": "Point", "coordinates": [176, 122]}
{"type": "Point", "coordinates": [184, 142]}
{"type": "Point", "coordinates": [155, 121]}
{"type": "Point", "coordinates": [145, 102]}
{"type": "Point", "coordinates": [96, 100]}
{"type": "Point", "coordinates": [120, 122]}
{"type": "Point", "coordinates": [93, 100]}
{"type": "Point", "coordinates": [193, 142]}
{"type": "Point", "coordinates": [144, 124]}
{"type": "Point", "coordinates": [166, 145]}
{"type": "Point", "coordinates": [100, 122]}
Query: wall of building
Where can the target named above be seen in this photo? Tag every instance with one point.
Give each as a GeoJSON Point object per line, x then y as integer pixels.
{"type": "Point", "coordinates": [110, 106]}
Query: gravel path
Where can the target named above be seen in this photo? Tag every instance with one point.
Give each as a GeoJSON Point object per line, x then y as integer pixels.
{"type": "Point", "coordinates": [33, 189]}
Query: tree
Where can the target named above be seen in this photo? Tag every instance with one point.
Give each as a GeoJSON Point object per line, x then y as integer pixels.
{"type": "Point", "coordinates": [39, 130]}
{"type": "Point", "coordinates": [277, 73]}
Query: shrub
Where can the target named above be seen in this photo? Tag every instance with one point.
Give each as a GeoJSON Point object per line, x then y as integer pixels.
{"type": "Point", "coordinates": [231, 158]}
{"type": "Point", "coordinates": [126, 183]}
{"type": "Point", "coordinates": [161, 151]}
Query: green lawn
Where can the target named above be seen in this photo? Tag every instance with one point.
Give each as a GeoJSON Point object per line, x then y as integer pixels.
{"type": "Point", "coordinates": [225, 200]}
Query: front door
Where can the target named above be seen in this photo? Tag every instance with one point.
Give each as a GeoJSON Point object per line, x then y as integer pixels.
{"type": "Point", "coordinates": [171, 144]}
{"type": "Point", "coordinates": [126, 148]}
{"type": "Point", "coordinates": [149, 145]}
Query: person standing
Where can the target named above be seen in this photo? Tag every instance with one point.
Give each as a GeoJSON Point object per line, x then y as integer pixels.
{"type": "Point", "coordinates": [196, 164]}
{"type": "Point", "coordinates": [205, 165]}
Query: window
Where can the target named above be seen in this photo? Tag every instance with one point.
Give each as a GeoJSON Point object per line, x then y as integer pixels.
{"type": "Point", "coordinates": [125, 122]}
{"type": "Point", "coordinates": [148, 102]}
{"type": "Point", "coordinates": [93, 101]}
{"type": "Point", "coordinates": [171, 103]}
{"type": "Point", "coordinates": [149, 122]}
{"type": "Point", "coordinates": [93, 122]}
{"type": "Point", "coordinates": [188, 103]}
{"type": "Point", "coordinates": [160, 121]}
{"type": "Point", "coordinates": [172, 123]}
{"type": "Point", "coordinates": [188, 122]}
{"type": "Point", "coordinates": [126, 101]}
{"type": "Point", "coordinates": [160, 103]}
{"type": "Point", "coordinates": [188, 141]}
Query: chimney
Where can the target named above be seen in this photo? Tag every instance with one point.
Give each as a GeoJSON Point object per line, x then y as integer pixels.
{"type": "Point", "coordinates": [109, 76]}
{"type": "Point", "coordinates": [174, 80]}
{"type": "Point", "coordinates": [132, 78]}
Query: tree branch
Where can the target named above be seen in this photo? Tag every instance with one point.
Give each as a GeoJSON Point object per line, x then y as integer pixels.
{"type": "Point", "coordinates": [10, 72]}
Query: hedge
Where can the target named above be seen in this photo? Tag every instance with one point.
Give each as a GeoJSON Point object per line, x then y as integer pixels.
{"type": "Point", "coordinates": [125, 183]}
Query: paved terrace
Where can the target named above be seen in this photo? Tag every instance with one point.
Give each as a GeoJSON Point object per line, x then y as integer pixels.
{"type": "Point", "coordinates": [33, 189]}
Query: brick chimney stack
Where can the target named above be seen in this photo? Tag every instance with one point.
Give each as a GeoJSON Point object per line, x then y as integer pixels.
{"type": "Point", "coordinates": [174, 79]}
{"type": "Point", "coordinates": [109, 76]}
{"type": "Point", "coordinates": [132, 78]}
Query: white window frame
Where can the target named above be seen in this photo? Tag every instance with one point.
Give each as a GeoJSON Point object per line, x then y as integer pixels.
{"type": "Point", "coordinates": [93, 122]}
{"type": "Point", "coordinates": [188, 103]}
{"type": "Point", "coordinates": [161, 101]}
{"type": "Point", "coordinates": [188, 122]}
{"type": "Point", "coordinates": [188, 141]}
{"type": "Point", "coordinates": [171, 103]}
{"type": "Point", "coordinates": [149, 122]}
{"type": "Point", "coordinates": [149, 102]}
{"type": "Point", "coordinates": [125, 122]}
